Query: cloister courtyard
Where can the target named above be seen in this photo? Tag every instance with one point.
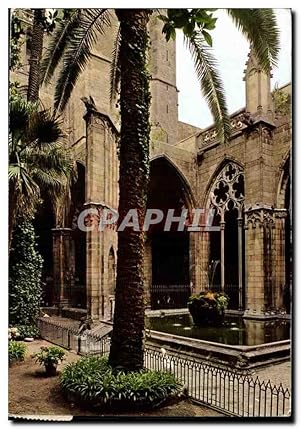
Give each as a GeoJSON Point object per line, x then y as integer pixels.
{"type": "Point", "coordinates": [150, 260]}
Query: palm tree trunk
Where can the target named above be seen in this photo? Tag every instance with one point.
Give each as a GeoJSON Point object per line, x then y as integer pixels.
{"type": "Point", "coordinates": [127, 339]}
{"type": "Point", "coordinates": [36, 55]}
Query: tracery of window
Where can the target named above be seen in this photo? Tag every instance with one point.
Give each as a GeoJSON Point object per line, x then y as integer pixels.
{"type": "Point", "coordinates": [227, 193]}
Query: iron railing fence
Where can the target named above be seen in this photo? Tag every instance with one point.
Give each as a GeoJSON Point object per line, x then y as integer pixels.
{"type": "Point", "coordinates": [169, 296]}
{"type": "Point", "coordinates": [229, 391]}
{"type": "Point", "coordinates": [176, 296]}
{"type": "Point", "coordinates": [70, 338]}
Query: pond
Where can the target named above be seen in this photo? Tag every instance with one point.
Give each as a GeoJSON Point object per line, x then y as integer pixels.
{"type": "Point", "coordinates": [234, 331]}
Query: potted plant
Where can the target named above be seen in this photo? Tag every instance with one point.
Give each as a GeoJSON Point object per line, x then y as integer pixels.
{"type": "Point", "coordinates": [208, 308]}
{"type": "Point", "coordinates": [50, 357]}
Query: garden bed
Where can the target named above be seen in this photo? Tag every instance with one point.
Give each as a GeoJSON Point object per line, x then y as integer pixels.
{"type": "Point", "coordinates": [31, 393]}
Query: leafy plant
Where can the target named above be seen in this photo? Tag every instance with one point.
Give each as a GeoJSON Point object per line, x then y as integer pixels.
{"type": "Point", "coordinates": [16, 351]}
{"type": "Point", "coordinates": [28, 331]}
{"type": "Point", "coordinates": [93, 382]}
{"type": "Point", "coordinates": [25, 271]}
{"type": "Point", "coordinates": [213, 299]}
{"type": "Point", "coordinates": [208, 307]}
{"type": "Point", "coordinates": [39, 161]}
{"type": "Point", "coordinates": [49, 355]}
{"type": "Point", "coordinates": [282, 101]}
{"type": "Point", "coordinates": [16, 33]}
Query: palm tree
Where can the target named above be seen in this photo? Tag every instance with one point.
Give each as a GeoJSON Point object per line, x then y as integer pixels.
{"type": "Point", "coordinates": [39, 162]}
{"type": "Point", "coordinates": [127, 338]}
{"type": "Point", "coordinates": [35, 55]}
{"type": "Point", "coordinates": [71, 45]}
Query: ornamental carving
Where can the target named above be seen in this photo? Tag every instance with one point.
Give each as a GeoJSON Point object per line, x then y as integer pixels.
{"type": "Point", "coordinates": [260, 217]}
{"type": "Point", "coordinates": [267, 134]}
{"type": "Point", "coordinates": [237, 123]}
{"type": "Point", "coordinates": [228, 192]}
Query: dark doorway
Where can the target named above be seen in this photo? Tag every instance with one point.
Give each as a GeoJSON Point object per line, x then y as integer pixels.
{"type": "Point", "coordinates": [43, 223]}
{"type": "Point", "coordinates": [170, 249]}
{"type": "Point", "coordinates": [288, 250]}
{"type": "Point", "coordinates": [214, 267]}
{"type": "Point", "coordinates": [231, 258]}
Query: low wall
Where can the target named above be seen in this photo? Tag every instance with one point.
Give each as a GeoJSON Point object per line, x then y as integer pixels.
{"type": "Point", "coordinates": [237, 356]}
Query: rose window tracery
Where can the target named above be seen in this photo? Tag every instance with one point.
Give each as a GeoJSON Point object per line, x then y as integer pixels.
{"type": "Point", "coordinates": [228, 192]}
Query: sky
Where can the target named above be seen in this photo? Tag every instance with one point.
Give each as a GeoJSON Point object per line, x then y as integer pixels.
{"type": "Point", "coordinates": [231, 50]}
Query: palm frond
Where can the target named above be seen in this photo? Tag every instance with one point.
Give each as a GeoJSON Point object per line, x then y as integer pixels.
{"type": "Point", "coordinates": [115, 68]}
{"type": "Point", "coordinates": [57, 45]}
{"type": "Point", "coordinates": [211, 83]}
{"type": "Point", "coordinates": [56, 158]}
{"type": "Point", "coordinates": [44, 128]}
{"type": "Point", "coordinates": [22, 180]}
{"type": "Point", "coordinates": [48, 180]}
{"type": "Point", "coordinates": [260, 28]}
{"type": "Point", "coordinates": [78, 52]}
{"type": "Point", "coordinates": [20, 111]}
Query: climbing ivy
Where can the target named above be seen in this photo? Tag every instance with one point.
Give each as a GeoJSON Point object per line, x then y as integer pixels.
{"type": "Point", "coordinates": [16, 41]}
{"type": "Point", "coordinates": [25, 271]}
{"type": "Point", "coordinates": [282, 101]}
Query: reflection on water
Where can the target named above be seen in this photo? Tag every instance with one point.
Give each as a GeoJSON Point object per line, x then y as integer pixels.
{"type": "Point", "coordinates": [235, 331]}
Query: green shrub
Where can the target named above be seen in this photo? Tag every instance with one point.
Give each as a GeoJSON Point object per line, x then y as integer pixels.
{"type": "Point", "coordinates": [49, 355]}
{"type": "Point", "coordinates": [208, 307]}
{"type": "Point", "coordinates": [219, 300]}
{"type": "Point", "coordinates": [25, 271]}
{"type": "Point", "coordinates": [16, 351]}
{"type": "Point", "coordinates": [28, 331]}
{"type": "Point", "coordinates": [92, 382]}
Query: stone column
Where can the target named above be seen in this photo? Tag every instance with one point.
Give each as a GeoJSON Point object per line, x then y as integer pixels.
{"type": "Point", "coordinates": [240, 256]}
{"type": "Point", "coordinates": [101, 161]}
{"type": "Point", "coordinates": [279, 257]}
{"type": "Point", "coordinates": [259, 224]}
{"type": "Point", "coordinates": [202, 261]}
{"type": "Point", "coordinates": [63, 266]}
{"type": "Point", "coordinates": [222, 227]}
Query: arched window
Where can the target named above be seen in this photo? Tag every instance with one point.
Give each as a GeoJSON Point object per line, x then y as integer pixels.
{"type": "Point", "coordinates": [226, 271]}
{"type": "Point", "coordinates": [111, 272]}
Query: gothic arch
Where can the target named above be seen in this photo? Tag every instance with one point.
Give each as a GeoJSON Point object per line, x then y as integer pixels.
{"type": "Point", "coordinates": [111, 271]}
{"type": "Point", "coordinates": [187, 188]}
{"type": "Point", "coordinates": [226, 160]}
{"type": "Point", "coordinates": [283, 181]}
{"type": "Point", "coordinates": [225, 193]}
{"type": "Point", "coordinates": [226, 187]}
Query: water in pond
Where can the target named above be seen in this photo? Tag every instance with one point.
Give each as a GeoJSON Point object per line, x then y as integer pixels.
{"type": "Point", "coordinates": [235, 331]}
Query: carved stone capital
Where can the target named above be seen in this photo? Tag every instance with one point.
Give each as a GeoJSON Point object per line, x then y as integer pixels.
{"type": "Point", "coordinates": [260, 216]}
{"type": "Point", "coordinates": [280, 213]}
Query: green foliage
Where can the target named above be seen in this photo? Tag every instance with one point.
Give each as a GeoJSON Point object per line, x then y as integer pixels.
{"type": "Point", "coordinates": [25, 270]}
{"type": "Point", "coordinates": [92, 381]}
{"type": "Point", "coordinates": [218, 300]}
{"type": "Point", "coordinates": [27, 331]}
{"type": "Point", "coordinates": [16, 351]}
{"type": "Point", "coordinates": [260, 28]}
{"type": "Point", "coordinates": [49, 355]}
{"type": "Point", "coordinates": [16, 33]}
{"type": "Point", "coordinates": [39, 161]}
{"type": "Point", "coordinates": [189, 21]}
{"type": "Point", "coordinates": [73, 41]}
{"type": "Point", "coordinates": [282, 101]}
